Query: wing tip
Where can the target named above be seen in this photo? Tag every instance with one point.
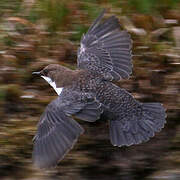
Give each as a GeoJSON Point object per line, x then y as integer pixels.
{"type": "Point", "coordinates": [97, 20]}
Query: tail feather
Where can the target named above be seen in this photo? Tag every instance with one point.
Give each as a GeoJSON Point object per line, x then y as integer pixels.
{"type": "Point", "coordinates": [135, 129]}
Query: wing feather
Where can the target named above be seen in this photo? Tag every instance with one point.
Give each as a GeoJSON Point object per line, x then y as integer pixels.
{"type": "Point", "coordinates": [106, 49]}
{"type": "Point", "coordinates": [57, 131]}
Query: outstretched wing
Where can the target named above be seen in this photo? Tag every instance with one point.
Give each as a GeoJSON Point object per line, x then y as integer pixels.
{"type": "Point", "coordinates": [56, 135]}
{"type": "Point", "coordinates": [106, 49]}
{"type": "Point", "coordinates": [57, 131]}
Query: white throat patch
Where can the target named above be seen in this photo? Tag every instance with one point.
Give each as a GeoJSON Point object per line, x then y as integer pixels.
{"type": "Point", "coordinates": [53, 84]}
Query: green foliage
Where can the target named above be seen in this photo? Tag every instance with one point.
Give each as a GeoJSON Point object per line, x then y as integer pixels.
{"type": "Point", "coordinates": [91, 9]}
{"type": "Point", "coordinates": [9, 5]}
{"type": "Point", "coordinates": [143, 6]}
{"type": "Point", "coordinates": [34, 14]}
{"type": "Point", "coordinates": [92, 12]}
{"type": "Point", "coordinates": [80, 29]}
{"type": "Point", "coordinates": [7, 40]}
{"type": "Point", "coordinates": [55, 11]}
{"type": "Point", "coordinates": [151, 6]}
{"type": "Point", "coordinates": [2, 94]}
{"type": "Point", "coordinates": [117, 3]}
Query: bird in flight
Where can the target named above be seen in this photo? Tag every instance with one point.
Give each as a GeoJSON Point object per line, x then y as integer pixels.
{"type": "Point", "coordinates": [104, 57]}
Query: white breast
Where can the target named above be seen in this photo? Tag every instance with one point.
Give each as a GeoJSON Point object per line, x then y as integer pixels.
{"type": "Point", "coordinates": [53, 84]}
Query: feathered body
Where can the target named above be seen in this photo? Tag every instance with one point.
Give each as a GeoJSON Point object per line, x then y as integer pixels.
{"type": "Point", "coordinates": [104, 57]}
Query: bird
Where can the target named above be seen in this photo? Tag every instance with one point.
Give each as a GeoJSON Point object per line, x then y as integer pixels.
{"type": "Point", "coordinates": [103, 58]}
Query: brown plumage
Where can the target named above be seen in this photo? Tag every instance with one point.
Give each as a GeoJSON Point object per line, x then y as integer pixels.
{"type": "Point", "coordinates": [61, 75]}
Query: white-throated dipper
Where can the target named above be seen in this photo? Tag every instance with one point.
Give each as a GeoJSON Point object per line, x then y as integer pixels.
{"type": "Point", "coordinates": [104, 57]}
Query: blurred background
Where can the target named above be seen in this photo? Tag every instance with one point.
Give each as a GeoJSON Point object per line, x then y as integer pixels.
{"type": "Point", "coordinates": [35, 33]}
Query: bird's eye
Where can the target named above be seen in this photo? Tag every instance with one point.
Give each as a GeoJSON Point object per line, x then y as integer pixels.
{"type": "Point", "coordinates": [45, 72]}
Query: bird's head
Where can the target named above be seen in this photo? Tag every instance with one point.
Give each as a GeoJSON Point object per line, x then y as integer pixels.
{"type": "Point", "coordinates": [56, 75]}
{"type": "Point", "coordinates": [50, 71]}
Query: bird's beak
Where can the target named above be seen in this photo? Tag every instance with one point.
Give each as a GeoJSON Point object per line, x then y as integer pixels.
{"type": "Point", "coordinates": [36, 73]}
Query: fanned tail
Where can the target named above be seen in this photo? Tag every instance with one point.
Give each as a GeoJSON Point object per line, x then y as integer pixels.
{"type": "Point", "coordinates": [138, 127]}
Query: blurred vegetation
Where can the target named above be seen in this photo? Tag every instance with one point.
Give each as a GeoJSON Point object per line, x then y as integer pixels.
{"type": "Point", "coordinates": [54, 11]}
{"type": "Point", "coordinates": [152, 6]}
{"type": "Point", "coordinates": [35, 33]}
{"type": "Point", "coordinates": [8, 6]}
